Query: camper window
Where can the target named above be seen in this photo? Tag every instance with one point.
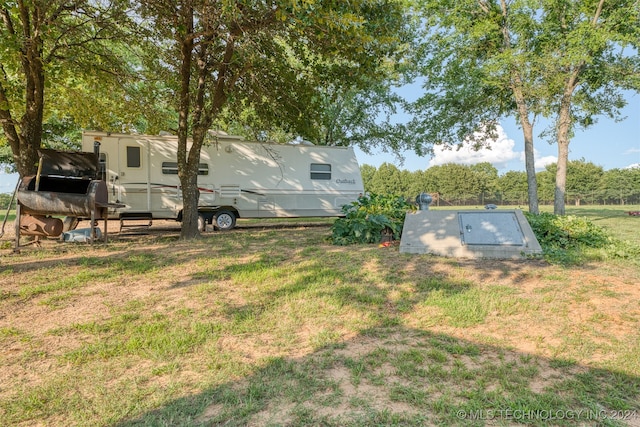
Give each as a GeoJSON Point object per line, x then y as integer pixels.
{"type": "Point", "coordinates": [133, 157]}
{"type": "Point", "coordinates": [171, 168]}
{"type": "Point", "coordinates": [320, 171]}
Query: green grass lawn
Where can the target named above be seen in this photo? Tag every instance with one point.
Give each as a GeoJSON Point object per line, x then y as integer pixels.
{"type": "Point", "coordinates": [273, 325]}
{"type": "Point", "coordinates": [613, 218]}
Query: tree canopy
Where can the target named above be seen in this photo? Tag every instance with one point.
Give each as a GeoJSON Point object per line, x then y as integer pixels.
{"type": "Point", "coordinates": [485, 60]}
{"type": "Point", "coordinates": [67, 54]}
{"type": "Point", "coordinates": [285, 61]}
{"type": "Point", "coordinates": [322, 71]}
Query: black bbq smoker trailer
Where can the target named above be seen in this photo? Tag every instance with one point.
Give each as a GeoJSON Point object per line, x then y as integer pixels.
{"type": "Point", "coordinates": [66, 184]}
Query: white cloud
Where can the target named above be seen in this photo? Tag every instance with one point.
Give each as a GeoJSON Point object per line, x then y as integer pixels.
{"type": "Point", "coordinates": [500, 153]}
{"type": "Point", "coordinates": [543, 162]}
{"type": "Point", "coordinates": [540, 162]}
{"type": "Point", "coordinates": [632, 150]}
{"type": "Point", "coordinates": [633, 166]}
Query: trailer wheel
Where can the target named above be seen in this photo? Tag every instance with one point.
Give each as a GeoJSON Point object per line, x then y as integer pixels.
{"type": "Point", "coordinates": [225, 220]}
{"type": "Point", "coordinates": [202, 224]}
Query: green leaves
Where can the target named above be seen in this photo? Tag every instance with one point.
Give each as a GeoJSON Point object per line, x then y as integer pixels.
{"type": "Point", "coordinates": [368, 218]}
{"type": "Point", "coordinates": [484, 61]}
{"type": "Point", "coordinates": [572, 239]}
{"type": "Point", "coordinates": [566, 232]}
{"type": "Point", "coordinates": [63, 60]}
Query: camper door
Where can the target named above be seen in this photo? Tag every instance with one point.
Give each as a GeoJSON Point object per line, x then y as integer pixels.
{"type": "Point", "coordinates": [133, 175]}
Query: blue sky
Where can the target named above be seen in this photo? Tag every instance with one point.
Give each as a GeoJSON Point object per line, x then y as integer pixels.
{"type": "Point", "coordinates": [608, 144]}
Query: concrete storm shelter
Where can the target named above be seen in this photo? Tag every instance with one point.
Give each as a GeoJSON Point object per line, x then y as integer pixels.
{"type": "Point", "coordinates": [499, 234]}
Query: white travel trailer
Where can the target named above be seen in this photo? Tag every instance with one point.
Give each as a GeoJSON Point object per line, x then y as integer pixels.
{"type": "Point", "coordinates": [236, 178]}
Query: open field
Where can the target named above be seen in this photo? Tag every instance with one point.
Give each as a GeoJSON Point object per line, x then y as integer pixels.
{"type": "Point", "coordinates": [272, 325]}
{"type": "Point", "coordinates": [613, 218]}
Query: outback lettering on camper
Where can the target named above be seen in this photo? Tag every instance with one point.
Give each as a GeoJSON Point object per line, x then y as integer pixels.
{"type": "Point", "coordinates": [345, 181]}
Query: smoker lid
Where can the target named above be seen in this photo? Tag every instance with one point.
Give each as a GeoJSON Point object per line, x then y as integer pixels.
{"type": "Point", "coordinates": [68, 164]}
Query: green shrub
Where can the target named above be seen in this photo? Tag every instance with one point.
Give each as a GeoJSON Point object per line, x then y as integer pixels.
{"type": "Point", "coordinates": [368, 217]}
{"type": "Point", "coordinates": [566, 232]}
{"type": "Point", "coordinates": [571, 240]}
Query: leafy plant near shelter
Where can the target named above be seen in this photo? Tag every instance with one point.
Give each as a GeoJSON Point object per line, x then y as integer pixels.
{"type": "Point", "coordinates": [367, 218]}
{"type": "Point", "coordinates": [566, 231]}
{"type": "Point", "coordinates": [565, 238]}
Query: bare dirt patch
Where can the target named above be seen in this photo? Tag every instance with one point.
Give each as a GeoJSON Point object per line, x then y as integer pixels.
{"type": "Point", "coordinates": [542, 314]}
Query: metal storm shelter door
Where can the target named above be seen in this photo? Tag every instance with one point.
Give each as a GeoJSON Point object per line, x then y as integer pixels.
{"type": "Point", "coordinates": [490, 228]}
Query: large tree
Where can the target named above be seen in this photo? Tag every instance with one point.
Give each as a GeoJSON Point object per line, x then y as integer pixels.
{"type": "Point", "coordinates": [455, 183]}
{"type": "Point", "coordinates": [489, 59]}
{"type": "Point", "coordinates": [475, 73]}
{"type": "Point", "coordinates": [48, 47]}
{"type": "Point", "coordinates": [361, 116]}
{"type": "Point", "coordinates": [583, 180]}
{"type": "Point", "coordinates": [588, 52]}
{"type": "Point", "coordinates": [273, 57]}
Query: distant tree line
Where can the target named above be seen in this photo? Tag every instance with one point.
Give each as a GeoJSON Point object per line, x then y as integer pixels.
{"type": "Point", "coordinates": [479, 184]}
{"type": "Point", "coordinates": [5, 198]}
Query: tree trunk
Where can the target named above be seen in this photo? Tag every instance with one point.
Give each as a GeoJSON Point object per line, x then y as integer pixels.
{"type": "Point", "coordinates": [188, 178]}
{"type": "Point", "coordinates": [195, 101]}
{"type": "Point", "coordinates": [523, 113]}
{"type": "Point", "coordinates": [564, 126]}
{"type": "Point", "coordinates": [26, 157]}
{"type": "Point", "coordinates": [202, 117]}
{"type": "Point", "coordinates": [190, 196]}
{"type": "Point", "coordinates": [25, 136]}
{"type": "Point", "coordinates": [529, 157]}
{"type": "Point", "coordinates": [563, 129]}
{"type": "Point", "coordinates": [561, 177]}
{"type": "Point", "coordinates": [532, 181]}
{"type": "Point", "coordinates": [31, 122]}
{"type": "Point", "coordinates": [190, 192]}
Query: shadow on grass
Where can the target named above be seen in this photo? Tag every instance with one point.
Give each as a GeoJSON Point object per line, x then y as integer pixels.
{"type": "Point", "coordinates": [393, 372]}
{"type": "Point", "coordinates": [401, 376]}
{"type": "Point", "coordinates": [390, 374]}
